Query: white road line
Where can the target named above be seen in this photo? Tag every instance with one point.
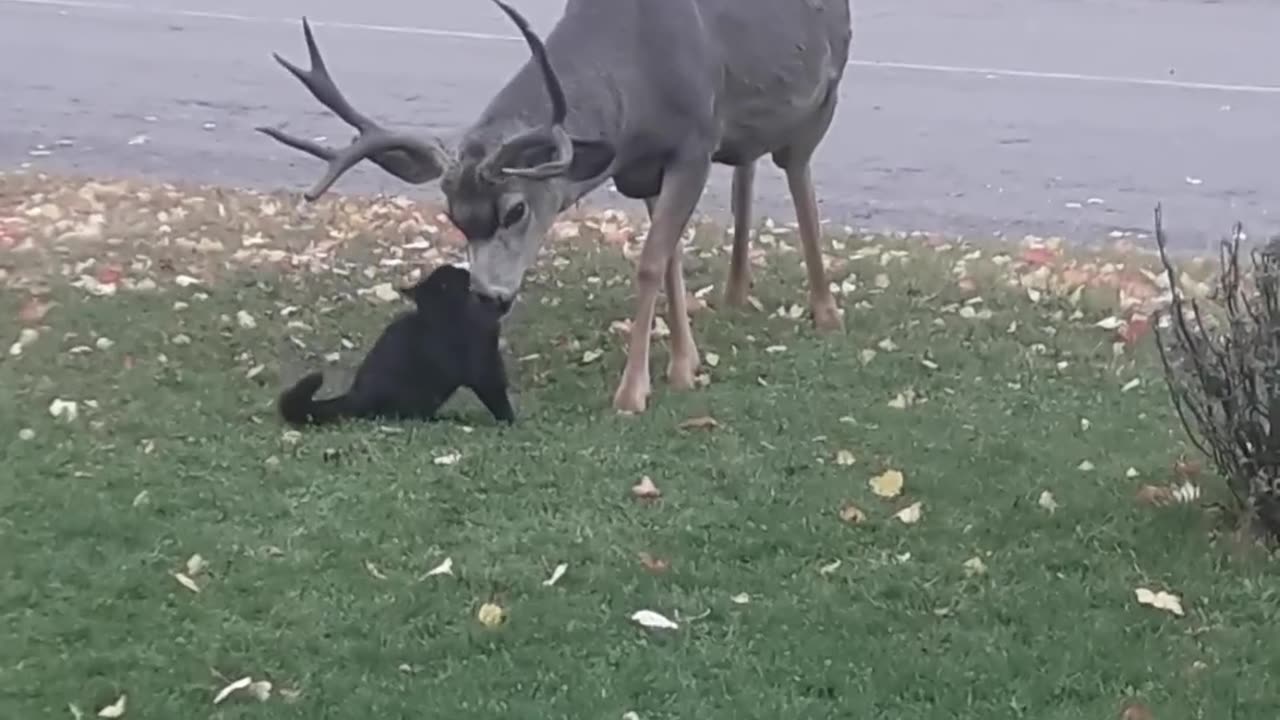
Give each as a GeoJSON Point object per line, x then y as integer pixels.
{"type": "Point", "coordinates": [466, 35]}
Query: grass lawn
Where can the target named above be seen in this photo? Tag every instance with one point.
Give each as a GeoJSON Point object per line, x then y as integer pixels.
{"type": "Point", "coordinates": [797, 591]}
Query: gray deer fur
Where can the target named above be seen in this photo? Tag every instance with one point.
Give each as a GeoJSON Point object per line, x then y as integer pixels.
{"type": "Point", "coordinates": [649, 93]}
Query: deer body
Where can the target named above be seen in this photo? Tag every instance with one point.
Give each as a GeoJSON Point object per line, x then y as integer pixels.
{"type": "Point", "coordinates": [648, 93]}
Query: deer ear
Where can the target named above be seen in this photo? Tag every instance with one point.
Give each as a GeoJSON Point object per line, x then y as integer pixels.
{"type": "Point", "coordinates": [590, 159]}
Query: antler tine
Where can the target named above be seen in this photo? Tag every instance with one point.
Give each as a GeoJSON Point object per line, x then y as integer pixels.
{"type": "Point", "coordinates": [559, 108]}
{"type": "Point", "coordinates": [408, 158]}
{"type": "Point", "coordinates": [321, 85]}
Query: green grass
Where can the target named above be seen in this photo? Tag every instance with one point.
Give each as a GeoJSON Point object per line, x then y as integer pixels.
{"type": "Point", "coordinates": [182, 454]}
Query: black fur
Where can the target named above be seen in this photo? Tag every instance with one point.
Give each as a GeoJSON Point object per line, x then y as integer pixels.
{"type": "Point", "coordinates": [422, 357]}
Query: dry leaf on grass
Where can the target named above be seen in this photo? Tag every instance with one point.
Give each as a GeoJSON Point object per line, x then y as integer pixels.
{"type": "Point", "coordinates": [1047, 501]}
{"type": "Point", "coordinates": [195, 564]}
{"type": "Point", "coordinates": [703, 422]}
{"type": "Point", "coordinates": [260, 690]}
{"type": "Point", "coordinates": [651, 619]}
{"type": "Point", "coordinates": [115, 709]}
{"type": "Point", "coordinates": [651, 563]}
{"type": "Point", "coordinates": [1160, 600]}
{"type": "Point", "coordinates": [829, 568]}
{"type": "Point", "coordinates": [373, 570]}
{"type": "Point", "coordinates": [887, 484]}
{"type": "Point", "coordinates": [975, 566]}
{"type": "Point", "coordinates": [740, 599]}
{"type": "Point", "coordinates": [645, 488]}
{"type": "Point", "coordinates": [444, 568]}
{"type": "Point", "coordinates": [491, 615]}
{"type": "Point", "coordinates": [449, 459]}
{"type": "Point", "coordinates": [225, 692]}
{"type": "Point", "coordinates": [852, 514]}
{"type": "Point", "coordinates": [186, 582]}
{"type": "Point", "coordinates": [1134, 710]}
{"type": "Point", "coordinates": [556, 574]}
{"type": "Point", "coordinates": [845, 457]}
{"type": "Point", "coordinates": [910, 514]}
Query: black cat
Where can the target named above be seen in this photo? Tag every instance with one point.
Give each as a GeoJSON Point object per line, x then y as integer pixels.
{"type": "Point", "coordinates": [422, 357]}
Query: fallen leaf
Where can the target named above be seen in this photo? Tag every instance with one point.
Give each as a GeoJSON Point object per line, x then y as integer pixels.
{"type": "Point", "coordinates": [1085, 466]}
{"type": "Point", "coordinates": [449, 459]}
{"type": "Point", "coordinates": [556, 574]}
{"type": "Point", "coordinates": [829, 567]}
{"type": "Point", "coordinates": [491, 615]}
{"type": "Point", "coordinates": [887, 484]}
{"type": "Point", "coordinates": [1047, 501]}
{"type": "Point", "coordinates": [225, 692]}
{"type": "Point", "coordinates": [910, 514]}
{"type": "Point", "coordinates": [444, 568]}
{"type": "Point", "coordinates": [1109, 323]}
{"type": "Point", "coordinates": [373, 570]}
{"type": "Point", "coordinates": [1157, 495]}
{"type": "Point", "coordinates": [186, 582]}
{"type": "Point", "coordinates": [852, 514]}
{"type": "Point", "coordinates": [975, 566]}
{"type": "Point", "coordinates": [246, 320]}
{"type": "Point", "coordinates": [26, 434]}
{"type": "Point", "coordinates": [703, 422]}
{"type": "Point", "coordinates": [1134, 710]}
{"type": "Point", "coordinates": [591, 356]}
{"type": "Point", "coordinates": [195, 564]}
{"type": "Point", "coordinates": [115, 709]}
{"type": "Point", "coordinates": [844, 457]}
{"type": "Point", "coordinates": [1131, 385]}
{"type": "Point", "coordinates": [740, 599]}
{"type": "Point", "coordinates": [76, 712]}
{"type": "Point", "coordinates": [651, 563]}
{"type": "Point", "coordinates": [1160, 600]}
{"type": "Point", "coordinates": [260, 689]}
{"type": "Point", "coordinates": [651, 619]}
{"type": "Point", "coordinates": [67, 409]}
{"type": "Point", "coordinates": [645, 488]}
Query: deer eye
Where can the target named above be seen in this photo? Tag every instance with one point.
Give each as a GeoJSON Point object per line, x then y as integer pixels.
{"type": "Point", "coordinates": [514, 214]}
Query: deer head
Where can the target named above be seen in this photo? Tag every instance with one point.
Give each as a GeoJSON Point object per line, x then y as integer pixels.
{"type": "Point", "coordinates": [503, 191]}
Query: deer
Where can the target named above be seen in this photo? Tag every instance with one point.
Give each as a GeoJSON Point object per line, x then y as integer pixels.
{"type": "Point", "coordinates": [646, 93]}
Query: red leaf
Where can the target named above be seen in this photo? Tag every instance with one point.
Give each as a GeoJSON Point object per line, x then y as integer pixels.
{"type": "Point", "coordinates": [109, 274]}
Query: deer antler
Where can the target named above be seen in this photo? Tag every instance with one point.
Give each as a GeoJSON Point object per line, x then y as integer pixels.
{"type": "Point", "coordinates": [553, 133]}
{"type": "Point", "coordinates": [411, 159]}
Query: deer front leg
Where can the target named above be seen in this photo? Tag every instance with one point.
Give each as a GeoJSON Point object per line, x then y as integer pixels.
{"type": "Point", "coordinates": [682, 365]}
{"type": "Point", "coordinates": [826, 318]}
{"type": "Point", "coordinates": [682, 186]}
{"type": "Point", "coordinates": [739, 283]}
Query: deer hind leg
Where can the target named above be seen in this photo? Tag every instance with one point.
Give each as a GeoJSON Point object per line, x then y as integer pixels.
{"type": "Point", "coordinates": [682, 364]}
{"type": "Point", "coordinates": [739, 283]}
{"type": "Point", "coordinates": [794, 161]}
{"type": "Point", "coordinates": [682, 186]}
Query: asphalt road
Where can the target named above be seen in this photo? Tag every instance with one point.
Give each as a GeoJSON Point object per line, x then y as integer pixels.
{"type": "Point", "coordinates": [1069, 117]}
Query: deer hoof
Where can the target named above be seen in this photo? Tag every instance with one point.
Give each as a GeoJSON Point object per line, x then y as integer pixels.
{"type": "Point", "coordinates": [682, 371]}
{"type": "Point", "coordinates": [826, 317]}
{"type": "Point", "coordinates": [631, 396]}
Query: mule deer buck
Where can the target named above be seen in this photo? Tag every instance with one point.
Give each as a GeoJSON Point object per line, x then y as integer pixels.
{"type": "Point", "coordinates": [649, 93]}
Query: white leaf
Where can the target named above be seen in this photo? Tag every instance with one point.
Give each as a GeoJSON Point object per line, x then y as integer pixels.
{"type": "Point", "coordinates": [1131, 385]}
{"type": "Point", "coordinates": [444, 568]}
{"type": "Point", "coordinates": [449, 459]}
{"type": "Point", "coordinates": [246, 320]}
{"type": "Point", "coordinates": [115, 709]}
{"type": "Point", "coordinates": [240, 684]}
{"type": "Point", "coordinates": [195, 564]}
{"type": "Point", "coordinates": [186, 582]}
{"type": "Point", "coordinates": [556, 574]}
{"type": "Point", "coordinates": [740, 599]}
{"type": "Point", "coordinates": [829, 567]}
{"type": "Point", "coordinates": [1047, 502]}
{"type": "Point", "coordinates": [910, 514]}
{"type": "Point", "coordinates": [68, 409]}
{"type": "Point", "coordinates": [1160, 600]}
{"type": "Point", "coordinates": [651, 619]}
{"type": "Point", "coordinates": [260, 689]}
{"type": "Point", "coordinates": [1109, 323]}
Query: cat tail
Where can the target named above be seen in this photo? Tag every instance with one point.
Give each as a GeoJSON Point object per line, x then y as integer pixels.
{"type": "Point", "coordinates": [298, 406]}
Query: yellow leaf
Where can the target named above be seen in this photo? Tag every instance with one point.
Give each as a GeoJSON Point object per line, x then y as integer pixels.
{"type": "Point", "coordinates": [491, 615]}
{"type": "Point", "coordinates": [887, 484]}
